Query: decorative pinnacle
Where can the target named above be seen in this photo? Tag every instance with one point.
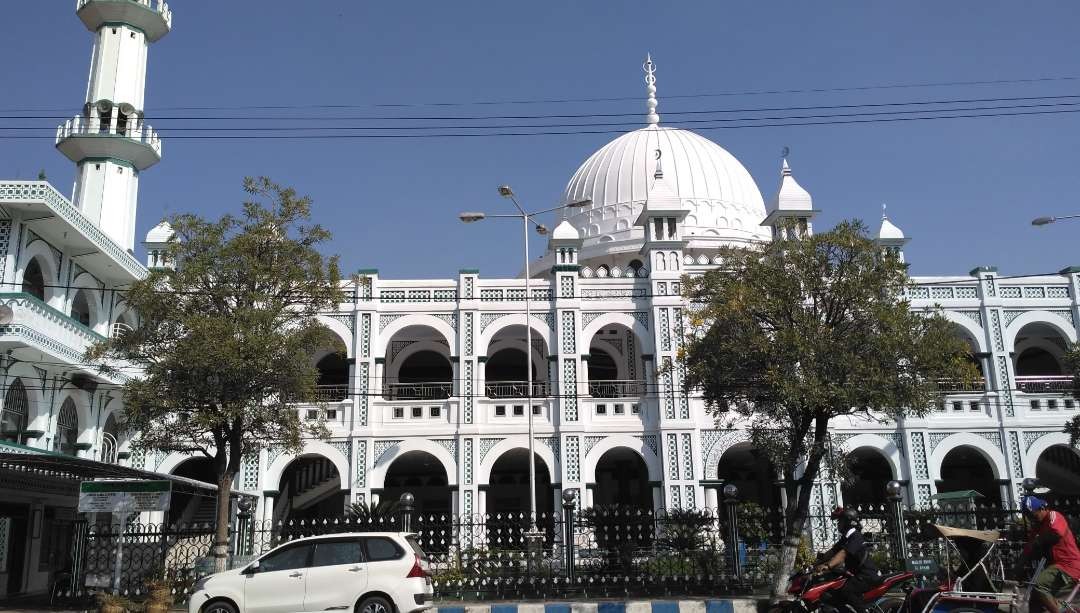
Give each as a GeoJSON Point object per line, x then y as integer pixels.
{"type": "Point", "coordinates": [883, 215]}
{"type": "Point", "coordinates": [659, 174]}
{"type": "Point", "coordinates": [650, 88]}
{"type": "Point", "coordinates": [785, 170]}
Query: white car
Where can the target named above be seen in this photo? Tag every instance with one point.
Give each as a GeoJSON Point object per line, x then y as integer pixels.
{"type": "Point", "coordinates": [369, 572]}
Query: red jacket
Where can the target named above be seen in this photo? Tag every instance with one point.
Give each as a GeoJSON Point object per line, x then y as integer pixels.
{"type": "Point", "coordinates": [1064, 552]}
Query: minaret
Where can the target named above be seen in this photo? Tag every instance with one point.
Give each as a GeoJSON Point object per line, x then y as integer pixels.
{"type": "Point", "coordinates": [109, 141]}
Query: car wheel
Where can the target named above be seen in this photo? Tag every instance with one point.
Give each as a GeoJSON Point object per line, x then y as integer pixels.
{"type": "Point", "coordinates": [219, 606]}
{"type": "Point", "coordinates": [374, 604]}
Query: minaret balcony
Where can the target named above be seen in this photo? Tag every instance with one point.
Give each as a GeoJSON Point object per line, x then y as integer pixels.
{"type": "Point", "coordinates": [89, 137]}
{"type": "Point", "coordinates": [153, 17]}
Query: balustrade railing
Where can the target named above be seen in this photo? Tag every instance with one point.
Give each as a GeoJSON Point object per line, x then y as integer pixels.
{"type": "Point", "coordinates": [631, 388]}
{"type": "Point", "coordinates": [331, 393]}
{"type": "Point", "coordinates": [516, 389]}
{"type": "Point", "coordinates": [959, 385]}
{"type": "Point", "coordinates": [437, 390]}
{"type": "Point", "coordinates": [1045, 384]}
{"type": "Point", "coordinates": [134, 129]}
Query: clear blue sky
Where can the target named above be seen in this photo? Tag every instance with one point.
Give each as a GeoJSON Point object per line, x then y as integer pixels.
{"type": "Point", "coordinates": [964, 189]}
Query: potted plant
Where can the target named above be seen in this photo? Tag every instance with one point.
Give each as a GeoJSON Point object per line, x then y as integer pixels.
{"type": "Point", "coordinates": [158, 594]}
{"type": "Point", "coordinates": [111, 603]}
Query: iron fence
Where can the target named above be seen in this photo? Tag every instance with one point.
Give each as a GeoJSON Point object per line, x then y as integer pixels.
{"type": "Point", "coordinates": [606, 551]}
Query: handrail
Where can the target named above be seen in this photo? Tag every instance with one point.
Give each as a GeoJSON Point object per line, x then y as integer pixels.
{"type": "Point", "coordinates": [332, 393]}
{"type": "Point", "coordinates": [135, 130]}
{"type": "Point", "coordinates": [617, 388]}
{"type": "Point", "coordinates": [1044, 383]}
{"type": "Point", "coordinates": [516, 389]}
{"type": "Point", "coordinates": [434, 390]}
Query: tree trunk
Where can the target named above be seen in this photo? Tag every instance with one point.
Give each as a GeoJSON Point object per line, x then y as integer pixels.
{"type": "Point", "coordinates": [793, 527]}
{"type": "Point", "coordinates": [221, 532]}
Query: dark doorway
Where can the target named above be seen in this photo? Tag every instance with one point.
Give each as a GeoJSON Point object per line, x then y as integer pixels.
{"type": "Point", "coordinates": [622, 478]}
{"type": "Point", "coordinates": [422, 475]}
{"type": "Point", "coordinates": [965, 468]}
{"type": "Point", "coordinates": [869, 474]}
{"type": "Point", "coordinates": [17, 517]}
{"type": "Point", "coordinates": [752, 472]}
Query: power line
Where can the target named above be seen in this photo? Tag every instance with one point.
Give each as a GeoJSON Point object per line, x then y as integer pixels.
{"type": "Point", "coordinates": [676, 96]}
{"type": "Point", "coordinates": [51, 129]}
{"type": "Point", "coordinates": [298, 137]}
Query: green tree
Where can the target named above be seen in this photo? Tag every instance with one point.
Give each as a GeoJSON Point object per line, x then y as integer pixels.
{"type": "Point", "coordinates": [786, 336]}
{"type": "Point", "coordinates": [225, 336]}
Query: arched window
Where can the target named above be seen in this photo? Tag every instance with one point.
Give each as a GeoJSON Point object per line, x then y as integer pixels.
{"type": "Point", "coordinates": [15, 414]}
{"type": "Point", "coordinates": [67, 428]}
{"type": "Point", "coordinates": [80, 308]}
{"type": "Point", "coordinates": [110, 440]}
{"type": "Point", "coordinates": [33, 280]}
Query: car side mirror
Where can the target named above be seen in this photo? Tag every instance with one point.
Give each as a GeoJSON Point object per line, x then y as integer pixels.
{"type": "Point", "coordinates": [252, 568]}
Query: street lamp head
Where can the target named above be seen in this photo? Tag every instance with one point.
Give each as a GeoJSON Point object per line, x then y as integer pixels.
{"type": "Point", "coordinates": [471, 216]}
{"type": "Point", "coordinates": [894, 490]}
{"type": "Point", "coordinates": [541, 229]}
{"type": "Point", "coordinates": [569, 497]}
{"type": "Point", "coordinates": [505, 191]}
{"type": "Point", "coordinates": [1042, 221]}
{"type": "Point", "coordinates": [577, 204]}
{"type": "Point", "coordinates": [731, 492]}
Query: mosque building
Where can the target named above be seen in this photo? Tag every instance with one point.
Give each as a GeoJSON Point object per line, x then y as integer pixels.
{"type": "Point", "coordinates": [434, 382]}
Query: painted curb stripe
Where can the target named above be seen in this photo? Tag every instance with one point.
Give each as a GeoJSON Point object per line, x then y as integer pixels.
{"type": "Point", "coordinates": [611, 607]}
{"type": "Point", "coordinates": [504, 608]}
{"type": "Point", "coordinates": [719, 606]}
{"type": "Point", "coordinates": [691, 606]}
{"type": "Point", "coordinates": [557, 608]}
{"type": "Point", "coordinates": [665, 606]}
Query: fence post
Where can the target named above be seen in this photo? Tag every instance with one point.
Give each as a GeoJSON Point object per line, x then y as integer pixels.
{"type": "Point", "coordinates": [731, 502]}
{"type": "Point", "coordinates": [243, 515]}
{"type": "Point", "coordinates": [406, 501]}
{"type": "Point", "coordinates": [568, 520]}
{"type": "Point", "coordinates": [894, 492]}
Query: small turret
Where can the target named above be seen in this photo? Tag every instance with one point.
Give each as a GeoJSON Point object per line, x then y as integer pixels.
{"type": "Point", "coordinates": [156, 243]}
{"type": "Point", "coordinates": [891, 237]}
{"type": "Point", "coordinates": [791, 209]}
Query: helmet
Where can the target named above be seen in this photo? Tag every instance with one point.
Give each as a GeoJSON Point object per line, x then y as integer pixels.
{"type": "Point", "coordinates": [845, 516]}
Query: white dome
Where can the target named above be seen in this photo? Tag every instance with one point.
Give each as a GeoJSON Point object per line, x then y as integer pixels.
{"type": "Point", "coordinates": [723, 201]}
{"type": "Point", "coordinates": [161, 233]}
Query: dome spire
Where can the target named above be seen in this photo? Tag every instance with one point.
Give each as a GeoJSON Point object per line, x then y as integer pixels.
{"type": "Point", "coordinates": [650, 89]}
{"type": "Point", "coordinates": [659, 174]}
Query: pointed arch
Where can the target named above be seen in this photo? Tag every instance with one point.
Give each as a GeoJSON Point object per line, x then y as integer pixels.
{"type": "Point", "coordinates": [539, 329]}
{"type": "Point", "coordinates": [1061, 325]}
{"type": "Point", "coordinates": [387, 333]}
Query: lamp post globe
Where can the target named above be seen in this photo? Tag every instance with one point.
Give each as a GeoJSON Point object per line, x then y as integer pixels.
{"type": "Point", "coordinates": [894, 490]}
{"type": "Point", "coordinates": [731, 492]}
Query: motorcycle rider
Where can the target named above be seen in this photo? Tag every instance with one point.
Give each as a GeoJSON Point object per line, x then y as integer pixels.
{"type": "Point", "coordinates": [853, 553]}
{"type": "Point", "coordinates": [1050, 538]}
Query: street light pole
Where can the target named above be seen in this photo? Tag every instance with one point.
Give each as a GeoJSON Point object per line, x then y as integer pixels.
{"type": "Point", "coordinates": [526, 219]}
{"type": "Point", "coordinates": [1043, 221]}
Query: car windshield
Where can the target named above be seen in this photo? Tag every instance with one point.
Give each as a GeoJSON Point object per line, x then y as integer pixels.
{"type": "Point", "coordinates": [416, 547]}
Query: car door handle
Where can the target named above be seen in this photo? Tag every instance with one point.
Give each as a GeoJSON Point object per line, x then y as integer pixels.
{"type": "Point", "coordinates": [356, 569]}
{"type": "Point", "coordinates": [296, 574]}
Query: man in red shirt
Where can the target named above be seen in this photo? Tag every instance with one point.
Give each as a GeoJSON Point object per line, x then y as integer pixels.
{"type": "Point", "coordinates": [1050, 537]}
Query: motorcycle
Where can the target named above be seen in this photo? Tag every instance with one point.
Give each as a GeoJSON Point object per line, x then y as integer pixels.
{"type": "Point", "coordinates": [811, 592]}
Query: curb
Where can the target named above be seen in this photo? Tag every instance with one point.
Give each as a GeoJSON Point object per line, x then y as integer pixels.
{"type": "Point", "coordinates": [738, 605]}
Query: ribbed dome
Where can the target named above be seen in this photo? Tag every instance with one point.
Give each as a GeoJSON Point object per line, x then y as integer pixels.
{"type": "Point", "coordinates": [723, 200]}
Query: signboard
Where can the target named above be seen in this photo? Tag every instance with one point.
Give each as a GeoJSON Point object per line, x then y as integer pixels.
{"type": "Point", "coordinates": [124, 496]}
{"type": "Point", "coordinates": [927, 567]}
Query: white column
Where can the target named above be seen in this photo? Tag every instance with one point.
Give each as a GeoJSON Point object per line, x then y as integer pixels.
{"type": "Point", "coordinates": [711, 498]}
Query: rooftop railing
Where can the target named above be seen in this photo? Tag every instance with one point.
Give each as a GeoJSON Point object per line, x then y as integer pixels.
{"type": "Point", "coordinates": [92, 126]}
